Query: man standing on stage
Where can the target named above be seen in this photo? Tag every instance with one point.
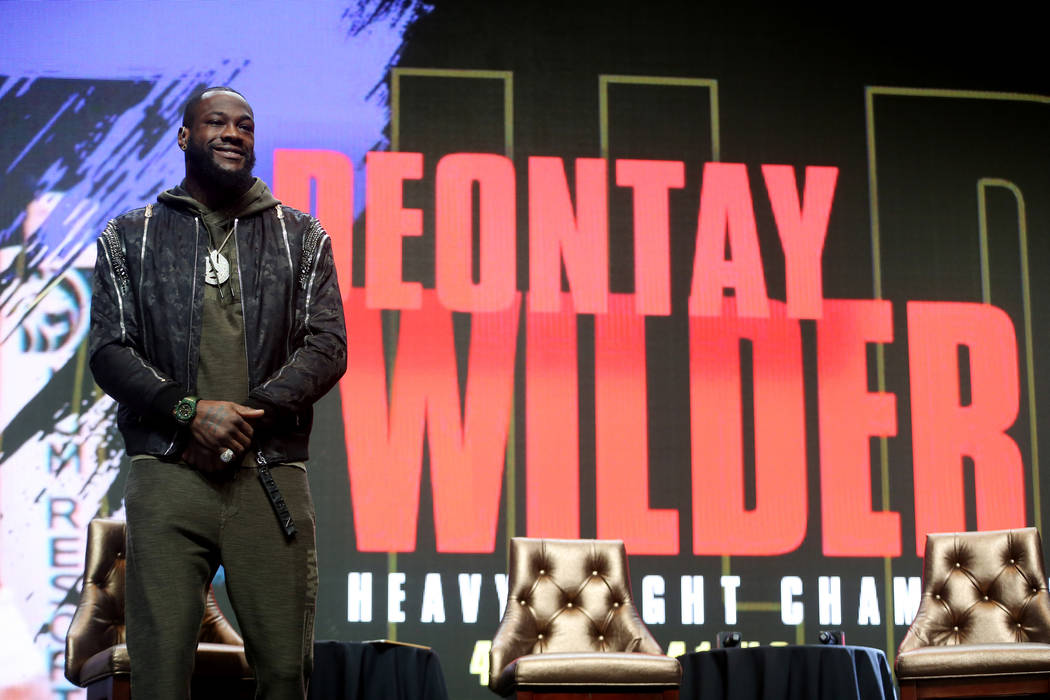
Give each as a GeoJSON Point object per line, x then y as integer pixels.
{"type": "Point", "coordinates": [216, 324]}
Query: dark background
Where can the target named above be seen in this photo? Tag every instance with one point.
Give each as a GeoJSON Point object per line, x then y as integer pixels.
{"type": "Point", "coordinates": [791, 87]}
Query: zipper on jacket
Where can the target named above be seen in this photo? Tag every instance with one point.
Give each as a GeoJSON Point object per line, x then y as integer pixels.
{"type": "Point", "coordinates": [189, 326]}
{"type": "Point", "coordinates": [190, 379]}
{"type": "Point", "coordinates": [290, 304]}
{"type": "Point", "coordinates": [142, 272]}
{"type": "Point", "coordinates": [244, 316]}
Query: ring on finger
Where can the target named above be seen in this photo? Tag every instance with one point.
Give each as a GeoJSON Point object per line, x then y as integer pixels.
{"type": "Point", "coordinates": [226, 456]}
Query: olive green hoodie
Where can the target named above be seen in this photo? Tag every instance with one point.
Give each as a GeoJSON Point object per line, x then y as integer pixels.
{"type": "Point", "coordinates": [222, 373]}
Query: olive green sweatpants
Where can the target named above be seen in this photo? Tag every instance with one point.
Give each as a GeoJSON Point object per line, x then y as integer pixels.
{"type": "Point", "coordinates": [182, 525]}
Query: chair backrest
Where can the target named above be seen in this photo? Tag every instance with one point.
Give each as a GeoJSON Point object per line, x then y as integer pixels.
{"type": "Point", "coordinates": [99, 619]}
{"type": "Point", "coordinates": [568, 596]}
{"type": "Point", "coordinates": [981, 588]}
{"type": "Point", "coordinates": [98, 622]}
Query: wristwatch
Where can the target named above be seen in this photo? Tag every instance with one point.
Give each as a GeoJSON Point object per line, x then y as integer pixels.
{"type": "Point", "coordinates": [185, 409]}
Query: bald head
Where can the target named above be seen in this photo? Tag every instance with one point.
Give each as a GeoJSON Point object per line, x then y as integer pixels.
{"type": "Point", "coordinates": [189, 112]}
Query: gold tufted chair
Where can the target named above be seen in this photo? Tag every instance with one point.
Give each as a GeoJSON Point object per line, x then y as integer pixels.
{"type": "Point", "coordinates": [571, 627]}
{"type": "Point", "coordinates": [96, 656]}
{"type": "Point", "coordinates": [983, 626]}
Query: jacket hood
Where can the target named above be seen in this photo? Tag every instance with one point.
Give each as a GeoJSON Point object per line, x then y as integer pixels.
{"type": "Point", "coordinates": [256, 199]}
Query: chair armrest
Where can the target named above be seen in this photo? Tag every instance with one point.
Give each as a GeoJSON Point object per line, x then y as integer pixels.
{"type": "Point", "coordinates": [511, 640]}
{"type": "Point", "coordinates": [92, 629]}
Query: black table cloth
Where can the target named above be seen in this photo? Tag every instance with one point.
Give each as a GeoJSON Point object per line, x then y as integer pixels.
{"type": "Point", "coordinates": [787, 673]}
{"type": "Point", "coordinates": [375, 671]}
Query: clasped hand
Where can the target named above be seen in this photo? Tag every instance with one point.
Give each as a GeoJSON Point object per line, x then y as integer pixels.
{"type": "Point", "coordinates": [217, 427]}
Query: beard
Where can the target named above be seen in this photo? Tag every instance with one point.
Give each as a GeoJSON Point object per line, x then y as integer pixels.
{"type": "Point", "coordinates": [200, 159]}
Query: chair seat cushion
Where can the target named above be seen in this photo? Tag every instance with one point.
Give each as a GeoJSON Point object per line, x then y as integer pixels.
{"type": "Point", "coordinates": [591, 669]}
{"type": "Point", "coordinates": [971, 660]}
{"type": "Point", "coordinates": [212, 660]}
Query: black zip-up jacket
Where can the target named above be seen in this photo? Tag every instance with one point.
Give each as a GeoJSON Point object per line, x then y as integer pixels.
{"type": "Point", "coordinates": [146, 324]}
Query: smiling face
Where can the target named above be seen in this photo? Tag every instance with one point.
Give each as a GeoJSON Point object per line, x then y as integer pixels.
{"type": "Point", "coordinates": [219, 140]}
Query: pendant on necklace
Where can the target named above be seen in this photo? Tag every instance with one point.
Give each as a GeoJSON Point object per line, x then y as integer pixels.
{"type": "Point", "coordinates": [218, 268]}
